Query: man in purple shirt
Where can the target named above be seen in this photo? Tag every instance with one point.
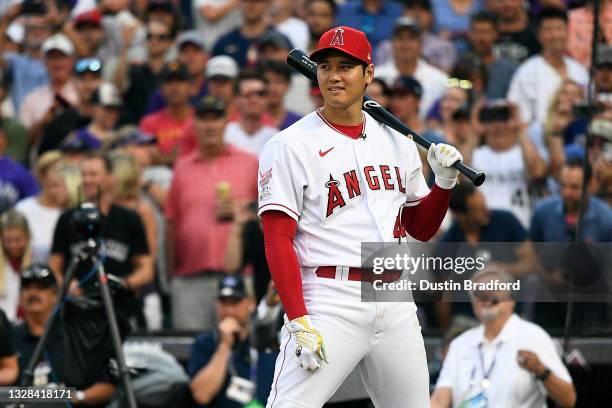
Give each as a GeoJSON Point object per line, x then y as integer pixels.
{"type": "Point", "coordinates": [16, 182]}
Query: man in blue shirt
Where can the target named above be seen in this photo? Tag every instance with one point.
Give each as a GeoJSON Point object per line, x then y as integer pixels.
{"type": "Point", "coordinates": [554, 220]}
{"type": "Point", "coordinates": [376, 18]}
{"type": "Point", "coordinates": [241, 43]}
{"type": "Point", "coordinates": [221, 360]}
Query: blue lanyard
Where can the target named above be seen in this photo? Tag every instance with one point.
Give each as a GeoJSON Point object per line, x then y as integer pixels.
{"type": "Point", "coordinates": [486, 373]}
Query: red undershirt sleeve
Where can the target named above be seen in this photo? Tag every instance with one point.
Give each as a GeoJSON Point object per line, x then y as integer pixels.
{"type": "Point", "coordinates": [423, 220]}
{"type": "Point", "coordinates": [279, 231]}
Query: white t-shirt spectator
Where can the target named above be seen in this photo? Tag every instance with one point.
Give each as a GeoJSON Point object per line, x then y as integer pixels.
{"type": "Point", "coordinates": [535, 83]}
{"type": "Point", "coordinates": [235, 135]}
{"type": "Point", "coordinates": [297, 32]}
{"type": "Point", "coordinates": [507, 184]}
{"type": "Point", "coordinates": [42, 221]}
{"type": "Point", "coordinates": [510, 385]}
{"type": "Point", "coordinates": [433, 80]}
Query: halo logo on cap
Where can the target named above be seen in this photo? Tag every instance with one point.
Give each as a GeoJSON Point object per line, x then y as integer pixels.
{"type": "Point", "coordinates": [338, 38]}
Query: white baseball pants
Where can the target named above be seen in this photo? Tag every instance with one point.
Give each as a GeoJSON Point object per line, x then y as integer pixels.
{"type": "Point", "coordinates": [382, 339]}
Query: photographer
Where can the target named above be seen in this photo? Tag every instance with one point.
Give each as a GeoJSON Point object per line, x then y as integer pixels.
{"type": "Point", "coordinates": [220, 361]}
{"type": "Point", "coordinates": [38, 296]}
{"type": "Point", "coordinates": [509, 158]}
{"type": "Point", "coordinates": [124, 246]}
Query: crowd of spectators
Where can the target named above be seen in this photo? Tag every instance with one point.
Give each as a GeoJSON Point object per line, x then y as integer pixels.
{"type": "Point", "coordinates": [156, 111]}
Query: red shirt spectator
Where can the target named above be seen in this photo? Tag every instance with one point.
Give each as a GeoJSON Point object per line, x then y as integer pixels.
{"type": "Point", "coordinates": [170, 124]}
{"type": "Point", "coordinates": [215, 169]}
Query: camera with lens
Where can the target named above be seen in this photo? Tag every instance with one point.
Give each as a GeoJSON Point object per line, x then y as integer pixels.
{"type": "Point", "coordinates": [87, 221]}
{"type": "Point", "coordinates": [497, 111]}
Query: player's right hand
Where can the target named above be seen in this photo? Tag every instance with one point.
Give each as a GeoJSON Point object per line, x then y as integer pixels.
{"type": "Point", "coordinates": [309, 351]}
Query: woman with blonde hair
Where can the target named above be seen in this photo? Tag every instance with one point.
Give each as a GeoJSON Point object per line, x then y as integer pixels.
{"type": "Point", "coordinates": [561, 126]}
{"type": "Point", "coordinates": [15, 254]}
{"type": "Point", "coordinates": [44, 209]}
{"type": "Point", "coordinates": [128, 193]}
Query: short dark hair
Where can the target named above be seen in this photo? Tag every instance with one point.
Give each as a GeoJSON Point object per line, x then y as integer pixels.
{"type": "Point", "coordinates": [247, 75]}
{"type": "Point", "coordinates": [485, 16]}
{"type": "Point", "coordinates": [551, 13]}
{"type": "Point", "coordinates": [331, 3]}
{"type": "Point", "coordinates": [276, 67]}
{"type": "Point", "coordinates": [577, 162]}
{"type": "Point", "coordinates": [105, 158]}
{"type": "Point", "coordinates": [459, 196]}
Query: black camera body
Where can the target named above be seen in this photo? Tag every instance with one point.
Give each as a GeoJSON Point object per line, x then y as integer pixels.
{"type": "Point", "coordinates": [87, 220]}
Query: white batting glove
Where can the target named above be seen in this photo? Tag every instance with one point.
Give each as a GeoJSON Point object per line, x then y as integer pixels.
{"type": "Point", "coordinates": [310, 351]}
{"type": "Point", "coordinates": [441, 157]}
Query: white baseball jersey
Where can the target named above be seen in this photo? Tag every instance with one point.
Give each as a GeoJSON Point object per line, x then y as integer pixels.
{"type": "Point", "coordinates": [506, 187]}
{"type": "Point", "coordinates": [341, 191]}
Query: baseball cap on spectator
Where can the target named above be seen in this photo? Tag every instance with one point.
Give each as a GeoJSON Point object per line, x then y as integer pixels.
{"type": "Point", "coordinates": [407, 85]}
{"type": "Point", "coordinates": [406, 23]}
{"type": "Point", "coordinates": [88, 18]}
{"type": "Point", "coordinates": [190, 37]}
{"type": "Point", "coordinates": [74, 145]}
{"type": "Point", "coordinates": [38, 273]}
{"type": "Point", "coordinates": [58, 42]}
{"type": "Point", "coordinates": [275, 39]}
{"type": "Point", "coordinates": [106, 95]}
{"type": "Point", "coordinates": [222, 66]}
{"type": "Point", "coordinates": [601, 128]}
{"type": "Point", "coordinates": [84, 65]}
{"type": "Point", "coordinates": [210, 104]}
{"type": "Point", "coordinates": [232, 287]}
{"type": "Point", "coordinates": [347, 40]}
{"type": "Point", "coordinates": [174, 70]}
{"type": "Point", "coordinates": [131, 135]}
{"type": "Point", "coordinates": [604, 56]}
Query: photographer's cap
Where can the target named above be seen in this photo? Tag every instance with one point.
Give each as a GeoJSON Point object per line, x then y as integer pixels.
{"type": "Point", "coordinates": [38, 273]}
{"type": "Point", "coordinates": [232, 286]}
{"type": "Point", "coordinates": [347, 40]}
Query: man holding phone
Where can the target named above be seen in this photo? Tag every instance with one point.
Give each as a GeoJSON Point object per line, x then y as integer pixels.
{"type": "Point", "coordinates": [509, 158]}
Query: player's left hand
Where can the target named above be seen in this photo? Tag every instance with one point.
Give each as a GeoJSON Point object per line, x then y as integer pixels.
{"type": "Point", "coordinates": [441, 157]}
{"type": "Point", "coordinates": [310, 351]}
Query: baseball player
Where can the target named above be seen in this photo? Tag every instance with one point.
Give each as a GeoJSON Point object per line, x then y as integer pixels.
{"type": "Point", "coordinates": [332, 180]}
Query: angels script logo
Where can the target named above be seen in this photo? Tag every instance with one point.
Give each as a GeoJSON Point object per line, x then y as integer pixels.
{"type": "Point", "coordinates": [338, 38]}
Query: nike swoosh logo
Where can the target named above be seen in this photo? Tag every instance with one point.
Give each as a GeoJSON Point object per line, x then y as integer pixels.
{"type": "Point", "coordinates": [325, 152]}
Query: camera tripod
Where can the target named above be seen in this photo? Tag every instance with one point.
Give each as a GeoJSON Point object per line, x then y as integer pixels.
{"type": "Point", "coordinates": [89, 252]}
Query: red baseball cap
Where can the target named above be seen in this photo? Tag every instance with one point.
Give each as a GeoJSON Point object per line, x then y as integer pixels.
{"type": "Point", "coordinates": [347, 40]}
